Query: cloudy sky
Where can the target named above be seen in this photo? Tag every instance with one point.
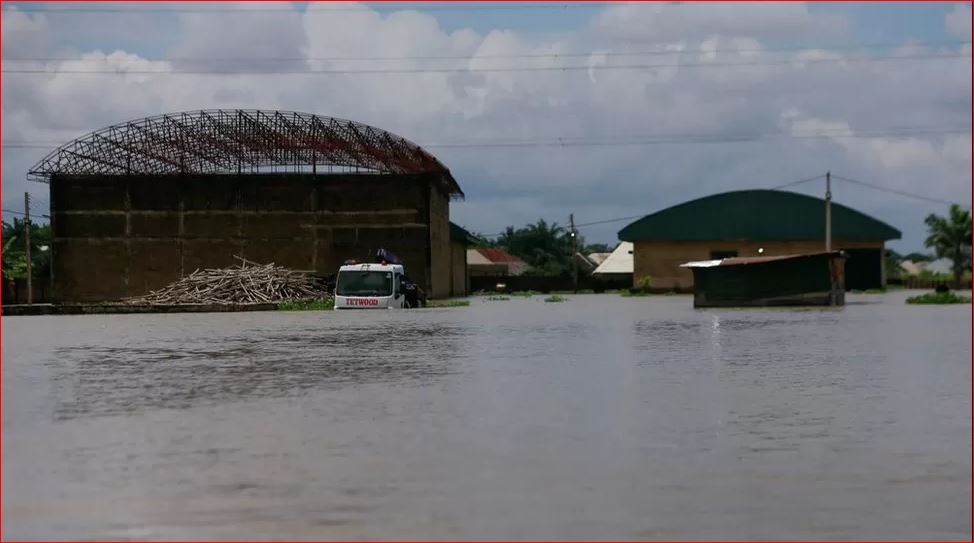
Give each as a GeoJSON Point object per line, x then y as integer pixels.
{"type": "Point", "coordinates": [660, 103]}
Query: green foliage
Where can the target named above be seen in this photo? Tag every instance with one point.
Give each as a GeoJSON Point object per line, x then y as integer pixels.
{"type": "Point", "coordinates": [918, 257]}
{"type": "Point", "coordinates": [548, 269]}
{"type": "Point", "coordinates": [597, 248]}
{"type": "Point", "coordinates": [642, 288]}
{"type": "Point", "coordinates": [581, 291]}
{"type": "Point", "coordinates": [320, 304]}
{"type": "Point", "coordinates": [928, 275]}
{"type": "Point", "coordinates": [448, 303]}
{"type": "Point", "coordinates": [545, 247]}
{"type": "Point", "coordinates": [892, 264]}
{"type": "Point", "coordinates": [498, 298]}
{"type": "Point", "coordinates": [938, 298]}
{"type": "Point", "coordinates": [14, 263]}
{"type": "Point", "coordinates": [554, 298]}
{"type": "Point", "coordinates": [950, 237]}
{"type": "Point", "coordinates": [524, 293]}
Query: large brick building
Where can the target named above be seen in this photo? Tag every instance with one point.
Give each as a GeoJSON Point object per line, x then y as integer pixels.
{"type": "Point", "coordinates": [749, 223]}
{"type": "Point", "coordinates": [138, 205]}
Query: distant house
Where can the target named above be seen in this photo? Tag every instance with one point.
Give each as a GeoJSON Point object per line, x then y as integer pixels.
{"type": "Point", "coordinates": [487, 261]}
{"type": "Point", "coordinates": [910, 267]}
{"type": "Point", "coordinates": [617, 265]}
{"type": "Point", "coordinates": [939, 266]}
{"type": "Point", "coordinates": [584, 263]}
{"type": "Point", "coordinates": [598, 258]}
{"type": "Point", "coordinates": [749, 223]}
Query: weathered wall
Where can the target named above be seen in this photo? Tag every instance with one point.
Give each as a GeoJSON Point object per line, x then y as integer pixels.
{"type": "Point", "coordinates": [439, 230]}
{"type": "Point", "coordinates": [459, 285]}
{"type": "Point", "coordinates": [661, 259]}
{"type": "Point", "coordinates": [123, 236]}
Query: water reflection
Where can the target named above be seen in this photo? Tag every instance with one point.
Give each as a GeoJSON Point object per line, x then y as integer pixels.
{"type": "Point", "coordinates": [600, 418]}
{"type": "Point", "coordinates": [127, 379]}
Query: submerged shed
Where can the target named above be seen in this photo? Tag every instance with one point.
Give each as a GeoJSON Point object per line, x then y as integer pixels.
{"type": "Point", "coordinates": [802, 279]}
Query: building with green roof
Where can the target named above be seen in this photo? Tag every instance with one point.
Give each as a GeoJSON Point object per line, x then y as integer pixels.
{"type": "Point", "coordinates": [751, 223]}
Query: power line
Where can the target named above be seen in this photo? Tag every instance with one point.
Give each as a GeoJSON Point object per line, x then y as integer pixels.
{"type": "Point", "coordinates": [799, 182]}
{"type": "Point", "coordinates": [619, 141]}
{"type": "Point", "coordinates": [21, 213]}
{"type": "Point", "coordinates": [475, 56]}
{"type": "Point", "coordinates": [698, 139]}
{"type": "Point", "coordinates": [633, 217]}
{"type": "Point", "coordinates": [892, 191]}
{"type": "Point", "coordinates": [607, 221]}
{"type": "Point", "coordinates": [375, 7]}
{"type": "Point", "coordinates": [816, 61]}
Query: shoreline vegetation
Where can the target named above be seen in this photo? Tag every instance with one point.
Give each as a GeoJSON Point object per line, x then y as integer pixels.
{"type": "Point", "coordinates": [320, 304]}
{"type": "Point", "coordinates": [433, 304]}
{"type": "Point", "coordinates": [938, 298]}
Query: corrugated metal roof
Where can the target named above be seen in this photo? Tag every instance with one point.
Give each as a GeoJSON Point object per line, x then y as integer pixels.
{"type": "Point", "coordinates": [474, 258]}
{"type": "Point", "coordinates": [756, 215]}
{"type": "Point", "coordinates": [744, 260]}
{"type": "Point", "coordinates": [498, 256]}
{"type": "Point", "coordinates": [618, 262]}
{"type": "Point", "coordinates": [459, 233]}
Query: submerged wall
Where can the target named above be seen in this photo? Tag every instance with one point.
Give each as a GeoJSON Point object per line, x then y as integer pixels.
{"type": "Point", "coordinates": [117, 236]}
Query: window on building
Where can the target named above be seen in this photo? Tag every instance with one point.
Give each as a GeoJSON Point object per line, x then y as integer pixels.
{"type": "Point", "coordinates": [717, 255]}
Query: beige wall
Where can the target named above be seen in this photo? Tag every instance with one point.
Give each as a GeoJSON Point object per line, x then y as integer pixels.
{"type": "Point", "coordinates": [661, 259]}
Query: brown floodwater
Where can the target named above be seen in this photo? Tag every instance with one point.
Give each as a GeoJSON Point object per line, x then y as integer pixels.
{"type": "Point", "coordinates": [598, 418]}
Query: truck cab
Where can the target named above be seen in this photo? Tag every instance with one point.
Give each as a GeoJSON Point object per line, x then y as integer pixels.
{"type": "Point", "coordinates": [370, 286]}
{"type": "Point", "coordinates": [381, 285]}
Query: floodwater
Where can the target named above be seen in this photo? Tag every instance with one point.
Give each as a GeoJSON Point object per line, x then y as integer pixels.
{"type": "Point", "coordinates": [598, 418]}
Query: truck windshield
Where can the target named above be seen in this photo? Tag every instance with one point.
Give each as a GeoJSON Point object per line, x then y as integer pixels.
{"type": "Point", "coordinates": [364, 283]}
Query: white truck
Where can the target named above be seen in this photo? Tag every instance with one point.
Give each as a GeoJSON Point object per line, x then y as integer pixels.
{"type": "Point", "coordinates": [381, 285]}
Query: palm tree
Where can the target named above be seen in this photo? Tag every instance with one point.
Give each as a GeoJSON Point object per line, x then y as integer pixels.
{"type": "Point", "coordinates": [950, 237]}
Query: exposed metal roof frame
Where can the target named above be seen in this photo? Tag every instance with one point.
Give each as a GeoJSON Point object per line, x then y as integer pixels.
{"type": "Point", "coordinates": [239, 142]}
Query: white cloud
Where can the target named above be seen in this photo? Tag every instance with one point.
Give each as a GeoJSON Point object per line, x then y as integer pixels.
{"type": "Point", "coordinates": [682, 95]}
{"type": "Point", "coordinates": [959, 21]}
{"type": "Point", "coordinates": [662, 22]}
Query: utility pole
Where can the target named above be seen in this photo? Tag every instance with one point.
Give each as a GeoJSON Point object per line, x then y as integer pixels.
{"type": "Point", "coordinates": [30, 292]}
{"type": "Point", "coordinates": [828, 211]}
{"type": "Point", "coordinates": [571, 221]}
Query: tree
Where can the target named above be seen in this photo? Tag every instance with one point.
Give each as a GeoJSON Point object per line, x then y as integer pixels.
{"type": "Point", "coordinates": [950, 237]}
{"type": "Point", "coordinates": [892, 263]}
{"type": "Point", "coordinates": [546, 247]}
{"type": "Point", "coordinates": [598, 248]}
{"type": "Point", "coordinates": [14, 263]}
{"type": "Point", "coordinates": [918, 257]}
{"type": "Point", "coordinates": [482, 240]}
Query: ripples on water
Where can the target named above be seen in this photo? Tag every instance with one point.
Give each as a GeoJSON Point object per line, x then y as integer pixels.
{"type": "Point", "coordinates": [602, 417]}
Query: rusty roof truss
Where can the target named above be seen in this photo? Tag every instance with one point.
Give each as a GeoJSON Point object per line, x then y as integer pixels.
{"type": "Point", "coordinates": [239, 142]}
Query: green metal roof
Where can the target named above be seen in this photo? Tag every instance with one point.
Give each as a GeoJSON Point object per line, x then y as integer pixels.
{"type": "Point", "coordinates": [458, 233]}
{"type": "Point", "coordinates": [757, 215]}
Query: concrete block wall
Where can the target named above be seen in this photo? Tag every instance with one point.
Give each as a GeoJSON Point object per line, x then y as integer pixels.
{"type": "Point", "coordinates": [440, 270]}
{"type": "Point", "coordinates": [459, 281]}
{"type": "Point", "coordinates": [116, 237]}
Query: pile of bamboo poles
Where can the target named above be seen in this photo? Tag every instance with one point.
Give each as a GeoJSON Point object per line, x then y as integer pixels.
{"type": "Point", "coordinates": [248, 283]}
